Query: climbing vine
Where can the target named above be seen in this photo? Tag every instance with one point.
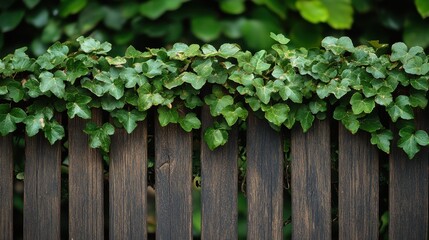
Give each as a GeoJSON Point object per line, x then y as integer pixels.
{"type": "Point", "coordinates": [359, 86]}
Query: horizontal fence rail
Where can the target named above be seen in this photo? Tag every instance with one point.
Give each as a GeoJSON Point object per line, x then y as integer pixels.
{"type": "Point", "coordinates": [312, 185]}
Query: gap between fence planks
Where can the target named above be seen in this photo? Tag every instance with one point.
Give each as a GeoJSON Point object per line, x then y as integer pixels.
{"type": "Point", "coordinates": [173, 172]}
{"type": "Point", "coordinates": [86, 216]}
{"type": "Point", "coordinates": [6, 188]}
{"type": "Point", "coordinates": [358, 186]}
{"type": "Point", "coordinates": [264, 181]}
{"type": "Point", "coordinates": [128, 184]}
{"type": "Point", "coordinates": [311, 182]}
{"type": "Point", "coordinates": [408, 190]}
{"type": "Point", "coordinates": [219, 186]}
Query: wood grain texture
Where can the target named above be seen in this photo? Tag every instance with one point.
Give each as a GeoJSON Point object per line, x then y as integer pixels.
{"type": "Point", "coordinates": [42, 188]}
{"type": "Point", "coordinates": [358, 186]}
{"type": "Point", "coordinates": [86, 220]}
{"type": "Point", "coordinates": [128, 184]}
{"type": "Point", "coordinates": [311, 182]}
{"type": "Point", "coordinates": [264, 181]}
{"type": "Point", "coordinates": [173, 171]}
{"type": "Point", "coordinates": [408, 191]}
{"type": "Point", "coordinates": [6, 188]}
{"type": "Point", "coordinates": [219, 183]}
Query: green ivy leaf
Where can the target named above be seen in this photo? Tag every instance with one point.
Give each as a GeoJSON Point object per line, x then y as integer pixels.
{"type": "Point", "coordinates": [420, 83]}
{"type": "Point", "coordinates": [55, 55]}
{"type": "Point", "coordinates": [215, 137]}
{"type": "Point", "coordinates": [382, 139]}
{"type": "Point", "coordinates": [10, 19]}
{"type": "Point", "coordinates": [305, 117]}
{"type": "Point", "coordinates": [68, 7]}
{"type": "Point", "coordinates": [259, 63]}
{"type": "Point", "coordinates": [129, 119]}
{"type": "Point", "coordinates": [277, 113]}
{"type": "Point", "coordinates": [9, 118]}
{"type": "Point", "coordinates": [411, 141]}
{"type": "Point", "coordinates": [280, 38]}
{"type": "Point", "coordinates": [227, 50]}
{"type": "Point", "coordinates": [167, 115]}
{"type": "Point", "coordinates": [53, 83]}
{"type": "Point", "coordinates": [189, 122]}
{"type": "Point", "coordinates": [418, 99]}
{"type": "Point", "coordinates": [233, 113]}
{"type": "Point", "coordinates": [313, 11]}
{"type": "Point", "coordinates": [338, 45]}
{"type": "Point", "coordinates": [206, 27]}
{"type": "Point", "coordinates": [99, 136]}
{"type": "Point", "coordinates": [53, 131]}
{"type": "Point", "coordinates": [34, 123]}
{"type": "Point", "coordinates": [79, 107]}
{"type": "Point", "coordinates": [422, 7]}
{"type": "Point", "coordinates": [416, 65]}
{"type": "Point", "coordinates": [90, 45]}
{"type": "Point", "coordinates": [360, 104]}
{"type": "Point", "coordinates": [197, 82]}
{"type": "Point", "coordinates": [401, 108]}
{"type": "Point", "coordinates": [218, 103]}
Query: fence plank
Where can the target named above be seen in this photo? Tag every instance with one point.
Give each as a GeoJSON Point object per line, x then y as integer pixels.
{"type": "Point", "coordinates": [85, 183]}
{"type": "Point", "coordinates": [358, 186]}
{"type": "Point", "coordinates": [311, 182]}
{"type": "Point", "coordinates": [173, 171]}
{"type": "Point", "coordinates": [219, 184]}
{"type": "Point", "coordinates": [264, 180]}
{"type": "Point", "coordinates": [42, 188]}
{"type": "Point", "coordinates": [6, 188]}
{"type": "Point", "coordinates": [128, 184]}
{"type": "Point", "coordinates": [408, 191]}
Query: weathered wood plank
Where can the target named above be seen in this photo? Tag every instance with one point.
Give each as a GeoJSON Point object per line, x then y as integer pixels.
{"type": "Point", "coordinates": [219, 183]}
{"type": "Point", "coordinates": [408, 191]}
{"type": "Point", "coordinates": [264, 180]}
{"type": "Point", "coordinates": [86, 220]}
{"type": "Point", "coordinates": [311, 182]}
{"type": "Point", "coordinates": [173, 171]}
{"type": "Point", "coordinates": [42, 188]}
{"type": "Point", "coordinates": [358, 186]}
{"type": "Point", "coordinates": [128, 184]}
{"type": "Point", "coordinates": [6, 188]}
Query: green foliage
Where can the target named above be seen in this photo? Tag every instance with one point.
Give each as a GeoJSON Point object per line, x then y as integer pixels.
{"type": "Point", "coordinates": [285, 86]}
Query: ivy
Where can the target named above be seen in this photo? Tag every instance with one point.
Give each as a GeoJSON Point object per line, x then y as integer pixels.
{"type": "Point", "coordinates": [358, 85]}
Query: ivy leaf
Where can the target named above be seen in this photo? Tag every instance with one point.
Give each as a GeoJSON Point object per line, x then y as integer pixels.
{"type": "Point", "coordinates": [305, 117]}
{"type": "Point", "coordinates": [313, 11]}
{"type": "Point", "coordinates": [189, 122]}
{"type": "Point", "coordinates": [10, 19]}
{"type": "Point", "coordinates": [280, 38]}
{"type": "Point", "coordinates": [55, 55]}
{"type": "Point", "coordinates": [227, 50]}
{"type": "Point", "coordinates": [9, 118]}
{"type": "Point", "coordinates": [90, 45]}
{"type": "Point", "coordinates": [420, 83]}
{"type": "Point", "coordinates": [338, 45]}
{"type": "Point", "coordinates": [34, 123]}
{"type": "Point", "coordinates": [360, 104]}
{"type": "Point", "coordinates": [197, 82]}
{"type": "Point", "coordinates": [131, 77]}
{"type": "Point", "coordinates": [263, 91]}
{"type": "Point", "coordinates": [152, 68]}
{"type": "Point", "coordinates": [259, 63]}
{"type": "Point", "coordinates": [167, 115]}
{"type": "Point", "coordinates": [53, 131]}
{"type": "Point", "coordinates": [382, 139]}
{"type": "Point", "coordinates": [411, 141]}
{"type": "Point", "coordinates": [129, 119]}
{"type": "Point", "coordinates": [215, 137]}
{"type": "Point", "coordinates": [233, 113]}
{"type": "Point", "coordinates": [203, 68]}
{"type": "Point", "coordinates": [401, 108]}
{"type": "Point", "coordinates": [277, 113]}
{"type": "Point", "coordinates": [218, 103]}
{"type": "Point", "coordinates": [422, 7]}
{"type": "Point", "coordinates": [53, 83]}
{"type": "Point", "coordinates": [79, 107]}
{"type": "Point", "coordinates": [418, 99]}
{"type": "Point", "coordinates": [347, 118]}
{"type": "Point", "coordinates": [21, 61]}
{"type": "Point", "coordinates": [416, 65]}
{"type": "Point", "coordinates": [99, 136]}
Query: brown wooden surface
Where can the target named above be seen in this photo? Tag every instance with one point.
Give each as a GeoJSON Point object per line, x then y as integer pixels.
{"type": "Point", "coordinates": [86, 220]}
{"type": "Point", "coordinates": [173, 171]}
{"type": "Point", "coordinates": [127, 184]}
{"type": "Point", "coordinates": [358, 197]}
{"type": "Point", "coordinates": [408, 191]}
{"type": "Point", "coordinates": [6, 188]}
{"type": "Point", "coordinates": [42, 188]}
{"type": "Point", "coordinates": [219, 183]}
{"type": "Point", "coordinates": [311, 182]}
{"type": "Point", "coordinates": [264, 181]}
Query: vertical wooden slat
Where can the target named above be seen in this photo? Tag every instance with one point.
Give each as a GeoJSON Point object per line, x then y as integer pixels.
{"type": "Point", "coordinates": [128, 184]}
{"type": "Point", "coordinates": [173, 164]}
{"type": "Point", "coordinates": [264, 181]}
{"type": "Point", "coordinates": [6, 188]}
{"type": "Point", "coordinates": [219, 183]}
{"type": "Point", "coordinates": [85, 183]}
{"type": "Point", "coordinates": [42, 188]}
{"type": "Point", "coordinates": [358, 186]}
{"type": "Point", "coordinates": [311, 182]}
{"type": "Point", "coordinates": [408, 191]}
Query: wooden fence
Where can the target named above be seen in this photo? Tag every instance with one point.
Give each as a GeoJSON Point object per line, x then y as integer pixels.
{"type": "Point", "coordinates": [358, 186]}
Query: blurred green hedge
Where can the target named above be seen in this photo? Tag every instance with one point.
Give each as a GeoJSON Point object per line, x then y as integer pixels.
{"type": "Point", "coordinates": [156, 23]}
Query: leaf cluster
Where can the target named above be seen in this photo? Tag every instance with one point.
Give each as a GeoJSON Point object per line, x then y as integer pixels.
{"type": "Point", "coordinates": [358, 85]}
